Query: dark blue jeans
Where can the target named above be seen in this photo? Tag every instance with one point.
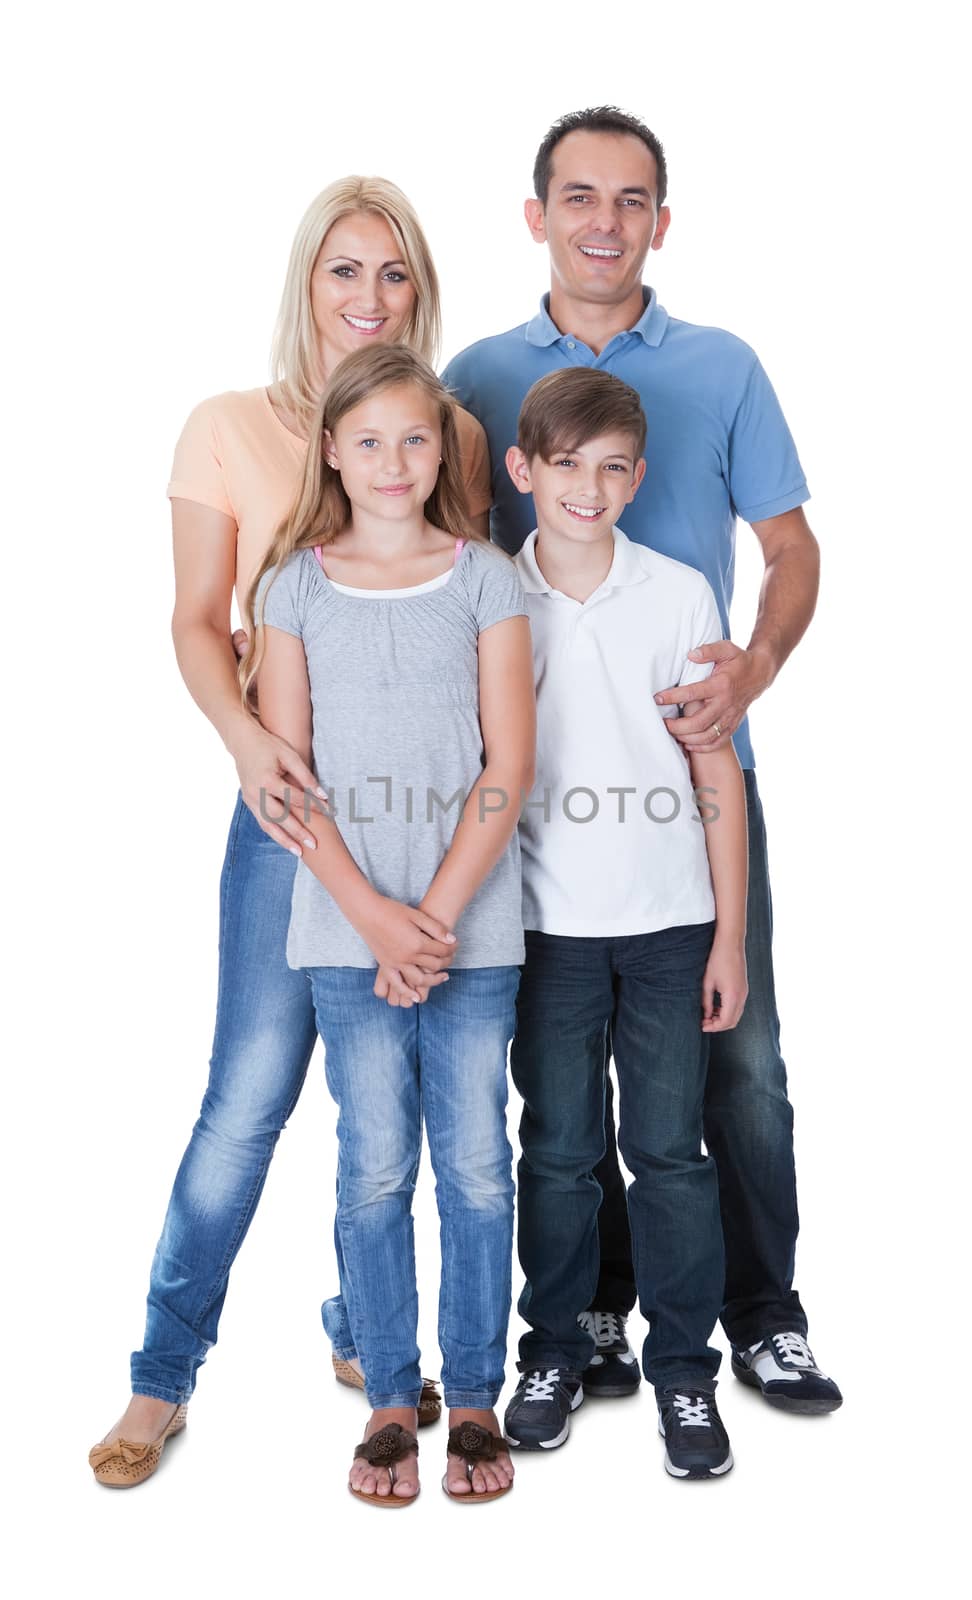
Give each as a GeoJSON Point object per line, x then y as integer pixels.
{"type": "Point", "coordinates": [648, 989]}
{"type": "Point", "coordinates": [749, 1131]}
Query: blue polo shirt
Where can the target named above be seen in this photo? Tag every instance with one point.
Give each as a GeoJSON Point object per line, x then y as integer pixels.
{"type": "Point", "coordinates": [718, 444]}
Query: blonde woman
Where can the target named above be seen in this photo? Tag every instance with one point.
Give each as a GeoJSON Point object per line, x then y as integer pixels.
{"type": "Point", "coordinates": [360, 274]}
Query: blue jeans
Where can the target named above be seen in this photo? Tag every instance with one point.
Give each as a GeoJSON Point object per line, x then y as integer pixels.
{"type": "Point", "coordinates": [648, 989]}
{"type": "Point", "coordinates": [387, 1068]}
{"type": "Point", "coordinates": [265, 1033]}
{"type": "Point", "coordinates": [749, 1131]}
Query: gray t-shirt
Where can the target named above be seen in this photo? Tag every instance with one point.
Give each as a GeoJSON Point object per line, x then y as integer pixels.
{"type": "Point", "coordinates": [394, 682]}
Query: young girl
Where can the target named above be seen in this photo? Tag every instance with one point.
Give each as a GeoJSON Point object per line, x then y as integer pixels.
{"type": "Point", "coordinates": [394, 654]}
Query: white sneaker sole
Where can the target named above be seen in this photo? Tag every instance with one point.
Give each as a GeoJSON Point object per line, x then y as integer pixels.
{"type": "Point", "coordinates": [697, 1473]}
{"type": "Point", "coordinates": [550, 1444]}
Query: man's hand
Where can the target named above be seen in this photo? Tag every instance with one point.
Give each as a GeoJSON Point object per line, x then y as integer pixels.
{"type": "Point", "coordinates": [719, 702]}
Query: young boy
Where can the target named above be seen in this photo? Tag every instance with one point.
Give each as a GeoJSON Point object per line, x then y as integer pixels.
{"type": "Point", "coordinates": [635, 918]}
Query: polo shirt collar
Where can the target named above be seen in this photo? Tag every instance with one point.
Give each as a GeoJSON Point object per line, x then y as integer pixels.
{"type": "Point", "coordinates": [626, 568]}
{"type": "Point", "coordinates": [542, 331]}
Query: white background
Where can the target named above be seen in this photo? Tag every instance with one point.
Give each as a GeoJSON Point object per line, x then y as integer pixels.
{"type": "Point", "coordinates": [160, 160]}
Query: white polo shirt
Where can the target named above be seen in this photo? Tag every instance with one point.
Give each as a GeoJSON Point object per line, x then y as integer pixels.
{"type": "Point", "coordinates": [611, 838]}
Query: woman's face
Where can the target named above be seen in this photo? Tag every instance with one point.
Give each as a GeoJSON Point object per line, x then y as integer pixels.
{"type": "Point", "coordinates": [360, 288]}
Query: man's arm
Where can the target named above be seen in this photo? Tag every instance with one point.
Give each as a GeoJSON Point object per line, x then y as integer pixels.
{"type": "Point", "coordinates": [787, 598]}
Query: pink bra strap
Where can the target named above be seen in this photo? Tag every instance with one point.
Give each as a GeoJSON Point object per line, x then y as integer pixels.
{"type": "Point", "coordinates": [320, 558]}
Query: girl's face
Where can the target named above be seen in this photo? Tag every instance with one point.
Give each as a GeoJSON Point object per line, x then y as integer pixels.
{"type": "Point", "coordinates": [360, 289]}
{"type": "Point", "coordinates": [388, 450]}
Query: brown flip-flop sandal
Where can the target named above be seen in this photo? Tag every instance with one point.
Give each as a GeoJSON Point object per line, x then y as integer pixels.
{"type": "Point", "coordinates": [430, 1401]}
{"type": "Point", "coordinates": [121, 1464]}
{"type": "Point", "coordinates": [474, 1444]}
{"type": "Point", "coordinates": [390, 1444]}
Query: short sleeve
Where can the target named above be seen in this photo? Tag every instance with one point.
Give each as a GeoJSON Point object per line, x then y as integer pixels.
{"type": "Point", "coordinates": [705, 628]}
{"type": "Point", "coordinates": [279, 594]}
{"type": "Point", "coordinates": [197, 468]}
{"type": "Point", "coordinates": [476, 472]}
{"type": "Point", "coordinates": [765, 475]}
{"type": "Point", "coordinates": [495, 588]}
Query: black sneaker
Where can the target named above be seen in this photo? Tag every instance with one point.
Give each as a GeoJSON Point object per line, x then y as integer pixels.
{"type": "Point", "coordinates": [782, 1367]}
{"type": "Point", "coordinates": [613, 1369]}
{"type": "Point", "coordinates": [696, 1443]}
{"type": "Point", "coordinates": [538, 1416]}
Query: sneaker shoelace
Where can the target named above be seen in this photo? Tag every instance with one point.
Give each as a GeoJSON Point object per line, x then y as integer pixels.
{"type": "Point", "coordinates": [541, 1385]}
{"type": "Point", "coordinates": [606, 1328]}
{"type": "Point", "coordinates": [793, 1351]}
{"type": "Point", "coordinates": [691, 1413]}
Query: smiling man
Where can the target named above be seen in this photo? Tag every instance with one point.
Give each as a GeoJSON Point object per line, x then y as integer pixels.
{"type": "Point", "coordinates": [718, 448]}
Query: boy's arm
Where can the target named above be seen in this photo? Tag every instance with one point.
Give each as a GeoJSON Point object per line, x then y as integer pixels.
{"type": "Point", "coordinates": [507, 715]}
{"type": "Point", "coordinates": [394, 933]}
{"type": "Point", "coordinates": [727, 843]}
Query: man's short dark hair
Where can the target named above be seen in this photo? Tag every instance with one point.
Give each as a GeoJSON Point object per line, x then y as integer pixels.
{"type": "Point", "coordinates": [596, 119]}
{"type": "Point", "coordinates": [566, 409]}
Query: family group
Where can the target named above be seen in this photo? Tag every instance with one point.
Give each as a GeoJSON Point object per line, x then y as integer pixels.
{"type": "Point", "coordinates": [498, 811]}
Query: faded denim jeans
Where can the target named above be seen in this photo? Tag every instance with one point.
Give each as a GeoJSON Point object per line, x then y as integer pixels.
{"type": "Point", "coordinates": [265, 1034]}
{"type": "Point", "coordinates": [388, 1069]}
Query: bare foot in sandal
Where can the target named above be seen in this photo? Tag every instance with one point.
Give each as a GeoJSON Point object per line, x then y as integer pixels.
{"type": "Point", "coordinates": [487, 1477]}
{"type": "Point", "coordinates": [368, 1479]}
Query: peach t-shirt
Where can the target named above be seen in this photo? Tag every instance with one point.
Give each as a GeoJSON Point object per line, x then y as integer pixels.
{"type": "Point", "coordinates": [235, 455]}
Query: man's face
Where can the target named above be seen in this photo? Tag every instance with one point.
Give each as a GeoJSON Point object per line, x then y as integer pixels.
{"type": "Point", "coordinates": [601, 216]}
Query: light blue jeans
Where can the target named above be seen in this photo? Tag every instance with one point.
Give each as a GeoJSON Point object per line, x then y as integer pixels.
{"type": "Point", "coordinates": [387, 1068]}
{"type": "Point", "coordinates": [265, 1033]}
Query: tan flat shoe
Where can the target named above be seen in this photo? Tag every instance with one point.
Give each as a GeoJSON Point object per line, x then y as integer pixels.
{"type": "Point", "coordinates": [430, 1401]}
{"type": "Point", "coordinates": [121, 1465]}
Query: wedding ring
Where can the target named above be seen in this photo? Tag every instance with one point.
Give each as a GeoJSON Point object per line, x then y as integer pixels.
{"type": "Point", "coordinates": [717, 730]}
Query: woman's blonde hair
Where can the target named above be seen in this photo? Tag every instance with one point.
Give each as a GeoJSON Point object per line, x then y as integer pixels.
{"type": "Point", "coordinates": [295, 359]}
{"type": "Point", "coordinates": [322, 508]}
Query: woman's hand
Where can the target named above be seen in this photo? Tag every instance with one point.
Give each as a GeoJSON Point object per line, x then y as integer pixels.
{"type": "Point", "coordinates": [277, 784]}
{"type": "Point", "coordinates": [725, 973]}
{"type": "Point", "coordinates": [402, 937]}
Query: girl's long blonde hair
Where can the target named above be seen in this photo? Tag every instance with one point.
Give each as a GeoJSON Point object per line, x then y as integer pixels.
{"type": "Point", "coordinates": [295, 358]}
{"type": "Point", "coordinates": [322, 508]}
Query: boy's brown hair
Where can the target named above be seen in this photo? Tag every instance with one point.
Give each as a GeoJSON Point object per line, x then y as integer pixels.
{"type": "Point", "coordinates": [567, 408]}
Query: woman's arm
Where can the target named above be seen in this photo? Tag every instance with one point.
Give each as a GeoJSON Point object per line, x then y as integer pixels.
{"type": "Point", "coordinates": [507, 715]}
{"type": "Point", "coordinates": [727, 843]}
{"type": "Point", "coordinates": [396, 934]}
{"type": "Point", "coordinates": [204, 548]}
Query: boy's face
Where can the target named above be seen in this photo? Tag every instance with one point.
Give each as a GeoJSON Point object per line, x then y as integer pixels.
{"type": "Point", "coordinates": [580, 494]}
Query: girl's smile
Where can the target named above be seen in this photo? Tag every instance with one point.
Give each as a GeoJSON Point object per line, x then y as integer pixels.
{"type": "Point", "coordinates": [388, 447]}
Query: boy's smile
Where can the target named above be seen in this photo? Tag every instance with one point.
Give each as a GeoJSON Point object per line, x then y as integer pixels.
{"type": "Point", "coordinates": [580, 494]}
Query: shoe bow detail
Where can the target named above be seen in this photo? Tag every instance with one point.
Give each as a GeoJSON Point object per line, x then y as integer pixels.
{"type": "Point", "coordinates": [120, 1450]}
